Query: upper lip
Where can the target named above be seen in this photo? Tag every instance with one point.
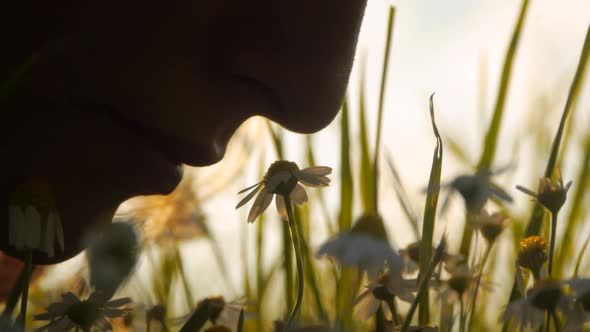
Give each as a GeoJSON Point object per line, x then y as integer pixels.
{"type": "Point", "coordinates": [157, 141]}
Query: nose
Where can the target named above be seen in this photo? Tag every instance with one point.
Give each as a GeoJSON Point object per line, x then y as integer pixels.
{"type": "Point", "coordinates": [302, 51]}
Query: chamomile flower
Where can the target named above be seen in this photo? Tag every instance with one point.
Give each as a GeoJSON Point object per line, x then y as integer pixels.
{"type": "Point", "coordinates": [551, 193]}
{"type": "Point", "coordinates": [215, 310]}
{"type": "Point", "coordinates": [72, 312]}
{"type": "Point", "coordinates": [33, 221]}
{"type": "Point", "coordinates": [366, 247]}
{"type": "Point", "coordinates": [529, 311]}
{"type": "Point", "coordinates": [383, 290]}
{"type": "Point", "coordinates": [283, 178]}
{"type": "Point", "coordinates": [475, 189]}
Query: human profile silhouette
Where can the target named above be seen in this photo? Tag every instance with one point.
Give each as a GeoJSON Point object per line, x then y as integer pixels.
{"type": "Point", "coordinates": [105, 100]}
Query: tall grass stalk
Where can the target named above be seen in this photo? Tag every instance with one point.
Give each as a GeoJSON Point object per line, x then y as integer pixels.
{"type": "Point", "coordinates": [430, 216]}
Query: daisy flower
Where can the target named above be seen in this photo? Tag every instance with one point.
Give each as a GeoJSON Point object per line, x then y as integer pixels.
{"type": "Point", "coordinates": [366, 247]}
{"type": "Point", "coordinates": [475, 189]}
{"type": "Point", "coordinates": [72, 312]}
{"type": "Point", "coordinates": [112, 256]}
{"type": "Point", "coordinates": [33, 221]}
{"type": "Point", "coordinates": [383, 290]}
{"type": "Point", "coordinates": [529, 311]}
{"type": "Point", "coordinates": [283, 178]}
{"type": "Point", "coordinates": [215, 310]}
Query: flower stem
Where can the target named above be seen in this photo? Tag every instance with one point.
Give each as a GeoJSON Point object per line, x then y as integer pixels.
{"type": "Point", "coordinates": [28, 268]}
{"type": "Point", "coordinates": [462, 317]}
{"type": "Point", "coordinates": [484, 259]}
{"type": "Point", "coordinates": [298, 260]}
{"type": "Point", "coordinates": [552, 241]}
{"type": "Point", "coordinates": [393, 309]}
{"type": "Point", "coordinates": [555, 321]}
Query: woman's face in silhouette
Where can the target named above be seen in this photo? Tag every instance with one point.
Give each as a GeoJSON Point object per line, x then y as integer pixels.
{"type": "Point", "coordinates": [120, 94]}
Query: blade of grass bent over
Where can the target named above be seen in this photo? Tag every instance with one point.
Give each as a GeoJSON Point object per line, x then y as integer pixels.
{"type": "Point", "coordinates": [491, 138]}
{"type": "Point", "coordinates": [429, 216]}
{"type": "Point", "coordinates": [344, 293]}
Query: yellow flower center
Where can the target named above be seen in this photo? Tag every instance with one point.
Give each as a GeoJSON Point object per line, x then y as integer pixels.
{"type": "Point", "coordinates": [532, 254]}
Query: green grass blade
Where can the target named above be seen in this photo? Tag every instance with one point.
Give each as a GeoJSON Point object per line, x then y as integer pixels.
{"type": "Point", "coordinates": [574, 220]}
{"type": "Point", "coordinates": [386, 60]}
{"type": "Point", "coordinates": [534, 225]}
{"type": "Point", "coordinates": [366, 168]}
{"type": "Point", "coordinates": [402, 197]}
{"type": "Point", "coordinates": [430, 215]}
{"type": "Point", "coordinates": [580, 256]}
{"type": "Point", "coordinates": [346, 184]}
{"type": "Point", "coordinates": [491, 138]}
{"type": "Point", "coordinates": [492, 134]}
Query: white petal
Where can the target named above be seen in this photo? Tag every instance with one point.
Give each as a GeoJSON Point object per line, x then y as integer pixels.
{"type": "Point", "coordinates": [118, 302]}
{"type": "Point", "coordinates": [260, 204]}
{"type": "Point", "coordinates": [317, 170]}
{"type": "Point", "coordinates": [314, 176]}
{"type": "Point", "coordinates": [298, 195]}
{"type": "Point", "coordinates": [281, 207]}
{"type": "Point", "coordinates": [248, 197]}
{"type": "Point", "coordinates": [33, 231]}
{"type": "Point", "coordinates": [367, 307]}
{"type": "Point", "coordinates": [252, 186]}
